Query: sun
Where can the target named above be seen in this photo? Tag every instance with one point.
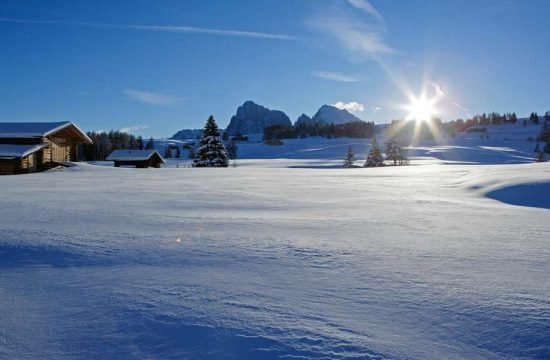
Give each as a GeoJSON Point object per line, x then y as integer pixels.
{"type": "Point", "coordinates": [421, 108]}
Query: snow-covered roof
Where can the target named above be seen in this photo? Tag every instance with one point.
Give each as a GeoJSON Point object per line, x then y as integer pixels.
{"type": "Point", "coordinates": [132, 155]}
{"type": "Point", "coordinates": [9, 151]}
{"type": "Point", "coordinates": [25, 130]}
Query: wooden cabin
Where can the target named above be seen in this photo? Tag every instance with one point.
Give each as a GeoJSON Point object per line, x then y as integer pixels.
{"type": "Point", "coordinates": [29, 147]}
{"type": "Point", "coordinates": [136, 158]}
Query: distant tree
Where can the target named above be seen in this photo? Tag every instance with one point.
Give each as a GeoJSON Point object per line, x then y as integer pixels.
{"type": "Point", "coordinates": [150, 144]}
{"type": "Point", "coordinates": [168, 152]}
{"type": "Point", "coordinates": [374, 157]}
{"type": "Point", "coordinates": [191, 153]}
{"type": "Point", "coordinates": [211, 151]}
{"type": "Point", "coordinates": [232, 149]}
{"type": "Point", "coordinates": [225, 136]}
{"type": "Point", "coordinates": [534, 118]}
{"type": "Point", "coordinates": [140, 143]}
{"type": "Point", "coordinates": [541, 157]}
{"type": "Point", "coordinates": [350, 158]}
{"type": "Point", "coordinates": [396, 152]}
{"type": "Point", "coordinates": [513, 118]}
{"type": "Point", "coordinates": [178, 153]}
{"type": "Point", "coordinates": [547, 116]}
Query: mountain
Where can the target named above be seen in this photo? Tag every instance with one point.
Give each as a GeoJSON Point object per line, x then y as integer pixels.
{"type": "Point", "coordinates": [187, 134]}
{"type": "Point", "coordinates": [328, 114]}
{"type": "Point", "coordinates": [252, 118]}
{"type": "Point", "coordinates": [303, 120]}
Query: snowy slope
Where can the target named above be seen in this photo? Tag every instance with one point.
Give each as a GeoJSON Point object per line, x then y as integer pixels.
{"type": "Point", "coordinates": [251, 262]}
{"type": "Point", "coordinates": [506, 144]}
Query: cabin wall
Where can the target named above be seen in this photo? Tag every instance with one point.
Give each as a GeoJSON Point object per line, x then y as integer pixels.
{"type": "Point", "coordinates": [60, 149]}
{"type": "Point", "coordinates": [8, 167]}
{"type": "Point", "coordinates": [29, 163]}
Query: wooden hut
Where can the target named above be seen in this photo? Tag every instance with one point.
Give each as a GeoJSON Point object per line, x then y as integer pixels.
{"type": "Point", "coordinates": [29, 147]}
{"type": "Point", "coordinates": [137, 158]}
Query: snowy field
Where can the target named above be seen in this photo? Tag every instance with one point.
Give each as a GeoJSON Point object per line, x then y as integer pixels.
{"type": "Point", "coordinates": [426, 261]}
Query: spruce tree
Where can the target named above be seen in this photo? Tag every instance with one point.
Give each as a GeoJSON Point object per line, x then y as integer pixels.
{"type": "Point", "coordinates": [396, 152]}
{"type": "Point", "coordinates": [168, 152]}
{"type": "Point", "coordinates": [211, 151]}
{"type": "Point", "coordinates": [350, 158]}
{"type": "Point", "coordinates": [374, 158]}
{"type": "Point", "coordinates": [150, 144]}
{"type": "Point", "coordinates": [232, 149]}
{"type": "Point", "coordinates": [392, 151]}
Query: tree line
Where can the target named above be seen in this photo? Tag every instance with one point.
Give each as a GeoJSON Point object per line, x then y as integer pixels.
{"type": "Point", "coordinates": [356, 129]}
{"type": "Point", "coordinates": [104, 143]}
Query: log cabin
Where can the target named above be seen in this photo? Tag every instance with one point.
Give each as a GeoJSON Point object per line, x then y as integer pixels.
{"type": "Point", "coordinates": [27, 147]}
{"type": "Point", "coordinates": [136, 158]}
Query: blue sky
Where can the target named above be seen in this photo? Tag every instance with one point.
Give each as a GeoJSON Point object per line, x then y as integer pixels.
{"type": "Point", "coordinates": [154, 67]}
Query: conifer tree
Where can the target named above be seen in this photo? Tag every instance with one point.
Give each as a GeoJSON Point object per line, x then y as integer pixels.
{"type": "Point", "coordinates": [168, 152]}
{"type": "Point", "coordinates": [396, 152]}
{"type": "Point", "coordinates": [350, 158]}
{"type": "Point", "coordinates": [232, 149]}
{"type": "Point", "coordinates": [374, 158]}
{"type": "Point", "coordinates": [211, 151]}
{"type": "Point", "coordinates": [150, 144]}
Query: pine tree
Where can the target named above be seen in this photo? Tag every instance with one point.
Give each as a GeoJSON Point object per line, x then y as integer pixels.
{"type": "Point", "coordinates": [540, 157]}
{"type": "Point", "coordinates": [232, 149]}
{"type": "Point", "coordinates": [350, 158]}
{"type": "Point", "coordinates": [374, 158]}
{"type": "Point", "coordinates": [150, 144]}
{"type": "Point", "coordinates": [178, 153]}
{"type": "Point", "coordinates": [396, 152]}
{"type": "Point", "coordinates": [168, 152]}
{"type": "Point", "coordinates": [211, 151]}
{"type": "Point", "coordinates": [140, 142]}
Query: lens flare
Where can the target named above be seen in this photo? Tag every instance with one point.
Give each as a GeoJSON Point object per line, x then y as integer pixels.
{"type": "Point", "coordinates": [421, 108]}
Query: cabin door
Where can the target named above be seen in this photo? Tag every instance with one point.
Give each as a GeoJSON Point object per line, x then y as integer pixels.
{"type": "Point", "coordinates": [38, 158]}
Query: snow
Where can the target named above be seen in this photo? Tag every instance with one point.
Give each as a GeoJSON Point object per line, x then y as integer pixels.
{"type": "Point", "coordinates": [9, 151]}
{"type": "Point", "coordinates": [30, 129]}
{"type": "Point", "coordinates": [281, 258]}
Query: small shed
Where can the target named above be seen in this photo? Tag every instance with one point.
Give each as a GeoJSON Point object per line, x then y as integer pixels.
{"type": "Point", "coordinates": [137, 158]}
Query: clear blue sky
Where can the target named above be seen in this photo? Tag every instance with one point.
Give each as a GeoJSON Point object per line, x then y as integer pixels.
{"type": "Point", "coordinates": [159, 66]}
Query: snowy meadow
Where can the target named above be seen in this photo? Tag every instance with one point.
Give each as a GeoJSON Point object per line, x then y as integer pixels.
{"type": "Point", "coordinates": [424, 261]}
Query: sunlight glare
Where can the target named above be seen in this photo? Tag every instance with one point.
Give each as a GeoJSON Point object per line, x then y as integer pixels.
{"type": "Point", "coordinates": [421, 108]}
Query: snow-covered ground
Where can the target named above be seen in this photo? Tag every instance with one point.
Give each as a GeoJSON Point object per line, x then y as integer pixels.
{"type": "Point", "coordinates": [506, 144]}
{"type": "Point", "coordinates": [258, 262]}
{"type": "Point", "coordinates": [285, 256]}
